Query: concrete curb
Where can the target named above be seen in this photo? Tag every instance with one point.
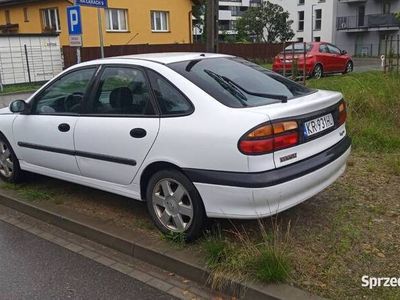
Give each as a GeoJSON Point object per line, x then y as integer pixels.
{"type": "Point", "coordinates": [150, 252]}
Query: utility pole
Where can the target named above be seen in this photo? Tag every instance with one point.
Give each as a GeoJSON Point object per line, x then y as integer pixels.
{"type": "Point", "coordinates": [212, 26]}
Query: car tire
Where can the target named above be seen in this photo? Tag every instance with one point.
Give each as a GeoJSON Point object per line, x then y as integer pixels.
{"type": "Point", "coordinates": [10, 170]}
{"type": "Point", "coordinates": [349, 67]}
{"type": "Point", "coordinates": [318, 71]}
{"type": "Point", "coordinates": [174, 204]}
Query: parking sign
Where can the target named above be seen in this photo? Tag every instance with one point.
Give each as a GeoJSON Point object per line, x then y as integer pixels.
{"type": "Point", "coordinates": [74, 20]}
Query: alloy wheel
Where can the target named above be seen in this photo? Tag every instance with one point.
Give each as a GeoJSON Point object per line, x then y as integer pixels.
{"type": "Point", "coordinates": [349, 67]}
{"type": "Point", "coordinates": [317, 72]}
{"type": "Point", "coordinates": [172, 205]}
{"type": "Point", "coordinates": [6, 163]}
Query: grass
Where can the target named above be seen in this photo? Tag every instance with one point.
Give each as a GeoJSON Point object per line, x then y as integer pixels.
{"type": "Point", "coordinates": [30, 192]}
{"type": "Point", "coordinates": [373, 108]}
{"type": "Point", "coordinates": [21, 87]}
{"type": "Point", "coordinates": [237, 256]}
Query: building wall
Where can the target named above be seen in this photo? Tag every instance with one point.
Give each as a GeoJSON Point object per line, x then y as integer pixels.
{"type": "Point", "coordinates": [368, 42]}
{"type": "Point", "coordinates": [328, 8]}
{"type": "Point", "coordinates": [139, 21]}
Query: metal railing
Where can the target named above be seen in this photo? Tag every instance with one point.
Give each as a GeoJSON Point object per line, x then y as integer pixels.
{"type": "Point", "coordinates": [367, 21]}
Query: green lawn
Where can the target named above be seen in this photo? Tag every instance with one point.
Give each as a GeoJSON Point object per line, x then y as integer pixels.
{"type": "Point", "coordinates": [21, 87]}
{"type": "Point", "coordinates": [373, 108]}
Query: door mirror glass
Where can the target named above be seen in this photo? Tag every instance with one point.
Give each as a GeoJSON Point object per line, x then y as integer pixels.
{"type": "Point", "coordinates": [343, 52]}
{"type": "Point", "coordinates": [19, 106]}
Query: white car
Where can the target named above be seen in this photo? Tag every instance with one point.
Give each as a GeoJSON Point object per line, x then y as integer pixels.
{"type": "Point", "coordinates": [195, 135]}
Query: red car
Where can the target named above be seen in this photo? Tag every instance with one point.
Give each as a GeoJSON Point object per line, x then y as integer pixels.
{"type": "Point", "coordinates": [321, 58]}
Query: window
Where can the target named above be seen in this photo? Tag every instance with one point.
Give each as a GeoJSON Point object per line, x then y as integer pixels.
{"type": "Point", "coordinates": [333, 49]}
{"type": "Point", "coordinates": [65, 95]}
{"type": "Point", "coordinates": [386, 7]}
{"type": "Point", "coordinates": [123, 91]}
{"type": "Point", "coordinates": [318, 19]}
{"type": "Point", "coordinates": [26, 17]}
{"type": "Point", "coordinates": [7, 16]}
{"type": "Point", "coordinates": [301, 2]}
{"type": "Point", "coordinates": [236, 82]}
{"type": "Point", "coordinates": [116, 19]}
{"type": "Point", "coordinates": [301, 21]}
{"type": "Point", "coordinates": [317, 39]}
{"type": "Point", "coordinates": [298, 47]}
{"type": "Point", "coordinates": [160, 21]}
{"type": "Point", "coordinates": [169, 99]}
{"type": "Point", "coordinates": [50, 20]}
{"type": "Point", "coordinates": [300, 39]}
{"type": "Point", "coordinates": [323, 48]}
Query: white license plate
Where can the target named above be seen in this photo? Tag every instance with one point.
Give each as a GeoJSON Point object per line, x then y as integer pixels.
{"type": "Point", "coordinates": [319, 124]}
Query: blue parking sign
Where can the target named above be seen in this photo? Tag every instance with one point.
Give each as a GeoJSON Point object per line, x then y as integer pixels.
{"type": "Point", "coordinates": [74, 20]}
{"type": "Point", "coordinates": [94, 3]}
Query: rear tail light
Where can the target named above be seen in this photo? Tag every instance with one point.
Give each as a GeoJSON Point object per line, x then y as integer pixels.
{"type": "Point", "coordinates": [342, 113]}
{"type": "Point", "coordinates": [268, 138]}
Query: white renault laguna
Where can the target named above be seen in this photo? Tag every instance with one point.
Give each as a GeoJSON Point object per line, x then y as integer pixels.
{"type": "Point", "coordinates": [194, 135]}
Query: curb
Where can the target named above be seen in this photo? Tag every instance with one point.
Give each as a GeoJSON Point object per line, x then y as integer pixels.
{"type": "Point", "coordinates": [142, 250]}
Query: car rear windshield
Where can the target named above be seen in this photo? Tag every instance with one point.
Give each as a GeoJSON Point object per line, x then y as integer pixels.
{"type": "Point", "coordinates": [236, 82]}
{"type": "Point", "coordinates": [298, 47]}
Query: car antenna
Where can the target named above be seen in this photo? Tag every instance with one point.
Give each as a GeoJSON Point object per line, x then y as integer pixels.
{"type": "Point", "coordinates": [203, 55]}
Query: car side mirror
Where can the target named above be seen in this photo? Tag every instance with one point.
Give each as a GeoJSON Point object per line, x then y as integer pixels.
{"type": "Point", "coordinates": [19, 106]}
{"type": "Point", "coordinates": [343, 52]}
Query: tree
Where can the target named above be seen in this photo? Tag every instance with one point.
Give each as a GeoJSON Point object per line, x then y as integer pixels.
{"type": "Point", "coordinates": [266, 23]}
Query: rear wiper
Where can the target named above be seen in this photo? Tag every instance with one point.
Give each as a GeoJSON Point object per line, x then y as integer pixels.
{"type": "Point", "coordinates": [282, 98]}
{"type": "Point", "coordinates": [234, 90]}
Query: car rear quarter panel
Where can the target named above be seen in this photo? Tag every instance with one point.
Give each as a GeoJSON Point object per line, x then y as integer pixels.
{"type": "Point", "coordinates": [205, 139]}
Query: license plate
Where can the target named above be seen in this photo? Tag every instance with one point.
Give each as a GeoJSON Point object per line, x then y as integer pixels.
{"type": "Point", "coordinates": [318, 125]}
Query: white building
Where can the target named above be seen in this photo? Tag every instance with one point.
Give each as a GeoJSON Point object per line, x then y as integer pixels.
{"type": "Point", "coordinates": [314, 20]}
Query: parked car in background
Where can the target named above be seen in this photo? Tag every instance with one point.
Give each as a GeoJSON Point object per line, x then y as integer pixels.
{"type": "Point", "coordinates": [320, 58]}
{"type": "Point", "coordinates": [194, 135]}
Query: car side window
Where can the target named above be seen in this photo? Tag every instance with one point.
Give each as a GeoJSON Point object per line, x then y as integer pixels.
{"type": "Point", "coordinates": [64, 96]}
{"type": "Point", "coordinates": [333, 49]}
{"type": "Point", "coordinates": [323, 48]}
{"type": "Point", "coordinates": [122, 91]}
{"type": "Point", "coordinates": [170, 100]}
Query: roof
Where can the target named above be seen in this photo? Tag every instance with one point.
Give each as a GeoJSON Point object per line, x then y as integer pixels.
{"type": "Point", "coordinates": [172, 57]}
{"type": "Point", "coordinates": [16, 2]}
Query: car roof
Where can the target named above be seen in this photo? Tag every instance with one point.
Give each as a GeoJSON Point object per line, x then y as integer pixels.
{"type": "Point", "coordinates": [163, 58]}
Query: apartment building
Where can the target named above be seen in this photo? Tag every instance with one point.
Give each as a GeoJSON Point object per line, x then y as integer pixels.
{"type": "Point", "coordinates": [124, 21]}
{"type": "Point", "coordinates": [363, 25]}
{"type": "Point", "coordinates": [313, 19]}
{"type": "Point", "coordinates": [230, 11]}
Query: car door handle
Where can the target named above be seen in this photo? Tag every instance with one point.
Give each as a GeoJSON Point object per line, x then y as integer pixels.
{"type": "Point", "coordinates": [138, 133]}
{"type": "Point", "coordinates": [64, 127]}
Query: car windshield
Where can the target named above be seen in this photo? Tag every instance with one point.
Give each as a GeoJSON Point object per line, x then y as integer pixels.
{"type": "Point", "coordinates": [298, 47]}
{"type": "Point", "coordinates": [236, 82]}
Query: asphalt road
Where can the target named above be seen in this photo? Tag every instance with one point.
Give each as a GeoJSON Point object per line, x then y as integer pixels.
{"type": "Point", "coordinates": [33, 268]}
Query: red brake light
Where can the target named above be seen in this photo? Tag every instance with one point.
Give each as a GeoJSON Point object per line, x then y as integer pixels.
{"type": "Point", "coordinates": [269, 137]}
{"type": "Point", "coordinates": [342, 113]}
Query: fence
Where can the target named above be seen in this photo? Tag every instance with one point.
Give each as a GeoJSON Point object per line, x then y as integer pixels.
{"type": "Point", "coordinates": [30, 58]}
{"type": "Point", "coordinates": [265, 52]}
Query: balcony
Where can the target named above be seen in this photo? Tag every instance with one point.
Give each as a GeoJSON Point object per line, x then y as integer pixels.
{"type": "Point", "coordinates": [9, 28]}
{"type": "Point", "coordinates": [377, 22]}
{"type": "Point", "coordinates": [352, 1]}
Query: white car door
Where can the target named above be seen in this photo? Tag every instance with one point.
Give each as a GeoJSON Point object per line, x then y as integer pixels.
{"type": "Point", "coordinates": [45, 135]}
{"type": "Point", "coordinates": [119, 126]}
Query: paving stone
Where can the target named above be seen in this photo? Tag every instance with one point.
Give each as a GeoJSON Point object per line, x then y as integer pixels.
{"type": "Point", "coordinates": [105, 260]}
{"type": "Point", "coordinates": [73, 247]}
{"type": "Point", "coordinates": [159, 284]}
{"type": "Point", "coordinates": [89, 254]}
{"type": "Point", "coordinates": [139, 275]}
{"type": "Point", "coordinates": [122, 268]}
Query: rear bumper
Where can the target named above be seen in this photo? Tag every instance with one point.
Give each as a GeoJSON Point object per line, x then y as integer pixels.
{"type": "Point", "coordinates": [279, 68]}
{"type": "Point", "coordinates": [255, 195]}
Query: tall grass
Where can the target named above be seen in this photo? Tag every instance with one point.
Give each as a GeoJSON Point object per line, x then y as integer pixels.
{"type": "Point", "coordinates": [245, 257]}
{"type": "Point", "coordinates": [373, 100]}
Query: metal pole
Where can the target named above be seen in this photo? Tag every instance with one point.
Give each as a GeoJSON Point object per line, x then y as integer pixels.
{"type": "Point", "coordinates": [78, 55]}
{"type": "Point", "coordinates": [398, 54]}
{"type": "Point", "coordinates": [212, 30]}
{"type": "Point", "coordinates": [100, 33]}
{"type": "Point", "coordinates": [304, 62]}
{"type": "Point", "coordinates": [284, 58]}
{"type": "Point", "coordinates": [386, 48]}
{"type": "Point", "coordinates": [293, 62]}
{"type": "Point", "coordinates": [391, 54]}
{"type": "Point", "coordinates": [1, 85]}
{"type": "Point", "coordinates": [312, 23]}
{"type": "Point", "coordinates": [27, 63]}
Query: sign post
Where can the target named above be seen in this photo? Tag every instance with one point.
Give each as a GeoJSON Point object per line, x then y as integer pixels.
{"type": "Point", "coordinates": [99, 4]}
{"type": "Point", "coordinates": [75, 29]}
